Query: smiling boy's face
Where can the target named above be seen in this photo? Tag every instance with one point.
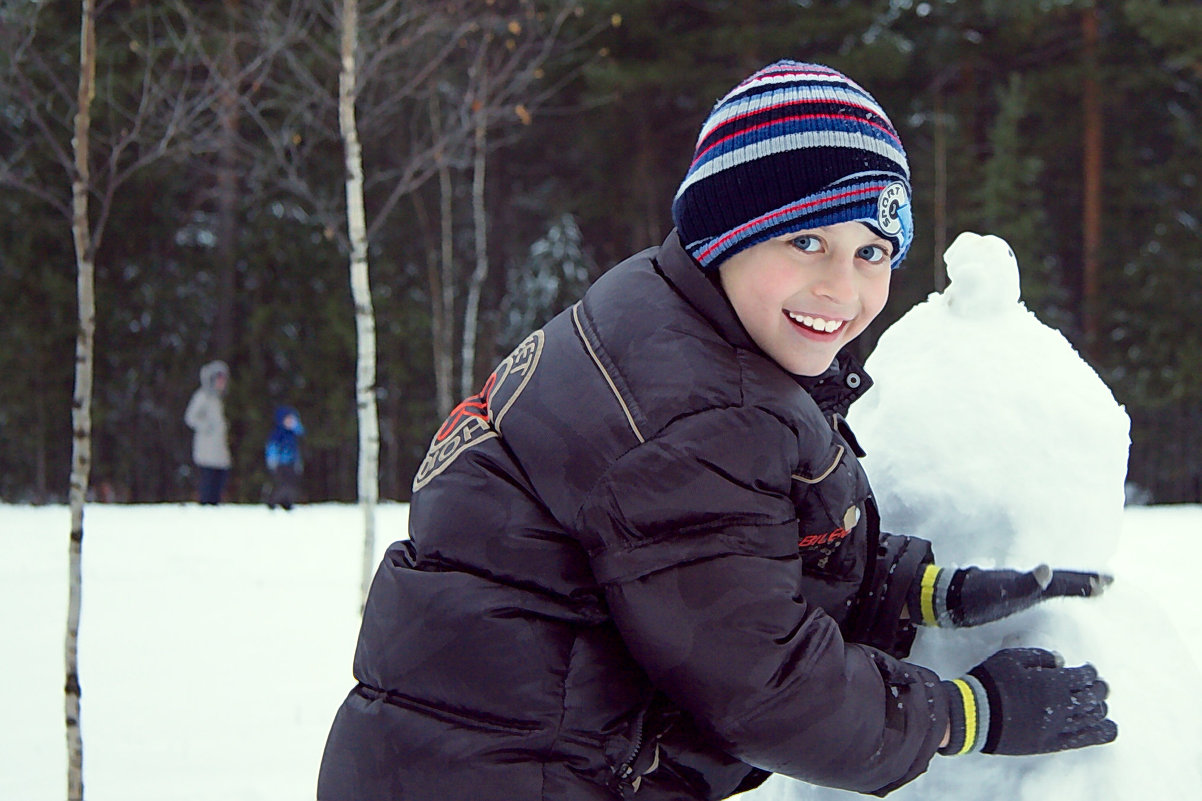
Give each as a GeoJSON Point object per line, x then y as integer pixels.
{"type": "Point", "coordinates": [803, 296]}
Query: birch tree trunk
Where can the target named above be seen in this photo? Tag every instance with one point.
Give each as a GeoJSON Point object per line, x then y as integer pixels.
{"type": "Point", "coordinates": [365, 320]}
{"type": "Point", "coordinates": [81, 410]}
{"type": "Point", "coordinates": [471, 311]}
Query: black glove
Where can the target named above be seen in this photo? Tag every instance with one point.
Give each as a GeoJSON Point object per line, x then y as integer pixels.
{"type": "Point", "coordinates": [972, 596]}
{"type": "Point", "coordinates": [1024, 701]}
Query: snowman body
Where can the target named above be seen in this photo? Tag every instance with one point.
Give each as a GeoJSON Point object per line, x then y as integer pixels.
{"type": "Point", "coordinates": [988, 435]}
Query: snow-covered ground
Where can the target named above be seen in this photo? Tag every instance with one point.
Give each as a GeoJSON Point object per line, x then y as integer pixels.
{"type": "Point", "coordinates": [216, 644]}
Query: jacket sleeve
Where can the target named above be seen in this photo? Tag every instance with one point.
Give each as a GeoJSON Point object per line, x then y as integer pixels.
{"type": "Point", "coordinates": [693, 536]}
{"type": "Point", "coordinates": [881, 620]}
{"type": "Point", "coordinates": [196, 416]}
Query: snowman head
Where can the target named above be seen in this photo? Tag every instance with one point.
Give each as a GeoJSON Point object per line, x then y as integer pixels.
{"type": "Point", "coordinates": [983, 275]}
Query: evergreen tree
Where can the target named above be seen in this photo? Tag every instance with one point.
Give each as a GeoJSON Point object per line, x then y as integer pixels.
{"type": "Point", "coordinates": [551, 278]}
{"type": "Point", "coordinates": [1011, 205]}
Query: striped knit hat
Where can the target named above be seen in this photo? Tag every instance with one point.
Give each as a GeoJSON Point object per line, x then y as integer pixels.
{"type": "Point", "coordinates": [793, 147]}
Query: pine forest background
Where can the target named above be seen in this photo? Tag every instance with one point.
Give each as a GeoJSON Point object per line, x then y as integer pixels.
{"type": "Point", "coordinates": [514, 150]}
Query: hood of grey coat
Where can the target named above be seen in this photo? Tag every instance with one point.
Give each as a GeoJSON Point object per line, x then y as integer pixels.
{"type": "Point", "coordinates": [209, 373]}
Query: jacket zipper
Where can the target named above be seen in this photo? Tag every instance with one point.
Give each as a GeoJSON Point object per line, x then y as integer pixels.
{"type": "Point", "coordinates": [627, 767]}
{"type": "Point", "coordinates": [659, 720]}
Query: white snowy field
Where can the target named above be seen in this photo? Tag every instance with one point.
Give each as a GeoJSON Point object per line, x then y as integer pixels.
{"type": "Point", "coordinates": [216, 644]}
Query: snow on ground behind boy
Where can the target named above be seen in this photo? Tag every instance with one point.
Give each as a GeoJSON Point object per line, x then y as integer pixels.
{"type": "Point", "coordinates": [988, 435]}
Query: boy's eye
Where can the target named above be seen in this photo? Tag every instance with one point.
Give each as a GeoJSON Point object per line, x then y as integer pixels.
{"type": "Point", "coordinates": [873, 253]}
{"type": "Point", "coordinates": [806, 243]}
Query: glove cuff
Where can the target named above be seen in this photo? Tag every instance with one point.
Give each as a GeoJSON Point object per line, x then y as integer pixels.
{"type": "Point", "coordinates": [935, 595]}
{"type": "Point", "coordinates": [968, 716]}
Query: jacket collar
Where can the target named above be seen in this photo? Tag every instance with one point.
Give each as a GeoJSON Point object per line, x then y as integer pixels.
{"type": "Point", "coordinates": [835, 390]}
{"type": "Point", "coordinates": [701, 291]}
{"type": "Point", "coordinates": [840, 386]}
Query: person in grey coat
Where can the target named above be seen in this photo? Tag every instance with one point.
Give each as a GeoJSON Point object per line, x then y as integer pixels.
{"type": "Point", "coordinates": [205, 415]}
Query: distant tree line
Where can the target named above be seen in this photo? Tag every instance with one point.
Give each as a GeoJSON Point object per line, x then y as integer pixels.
{"type": "Point", "coordinates": [514, 150]}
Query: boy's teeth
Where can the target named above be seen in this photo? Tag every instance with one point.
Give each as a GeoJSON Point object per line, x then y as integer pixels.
{"type": "Point", "coordinates": [816, 323]}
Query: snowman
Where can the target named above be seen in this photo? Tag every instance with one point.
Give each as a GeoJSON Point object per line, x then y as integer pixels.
{"type": "Point", "coordinates": [988, 435]}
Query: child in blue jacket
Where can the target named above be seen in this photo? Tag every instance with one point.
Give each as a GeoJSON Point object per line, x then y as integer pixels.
{"type": "Point", "coordinates": [283, 457]}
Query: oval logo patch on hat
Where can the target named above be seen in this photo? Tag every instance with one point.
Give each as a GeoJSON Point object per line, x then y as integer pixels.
{"type": "Point", "coordinates": [889, 208]}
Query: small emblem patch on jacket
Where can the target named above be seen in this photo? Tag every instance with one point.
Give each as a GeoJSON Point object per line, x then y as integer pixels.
{"type": "Point", "coordinates": [478, 418]}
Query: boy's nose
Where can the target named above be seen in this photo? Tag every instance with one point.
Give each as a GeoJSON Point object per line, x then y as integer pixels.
{"type": "Point", "coordinates": [838, 280]}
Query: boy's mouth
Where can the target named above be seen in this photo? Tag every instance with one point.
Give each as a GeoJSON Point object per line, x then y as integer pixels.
{"type": "Point", "coordinates": [819, 325]}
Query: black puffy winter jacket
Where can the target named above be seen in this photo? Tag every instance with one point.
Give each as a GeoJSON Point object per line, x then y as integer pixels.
{"type": "Point", "coordinates": [643, 562]}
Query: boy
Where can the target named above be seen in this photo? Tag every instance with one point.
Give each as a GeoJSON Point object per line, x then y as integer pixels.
{"type": "Point", "coordinates": [644, 560]}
